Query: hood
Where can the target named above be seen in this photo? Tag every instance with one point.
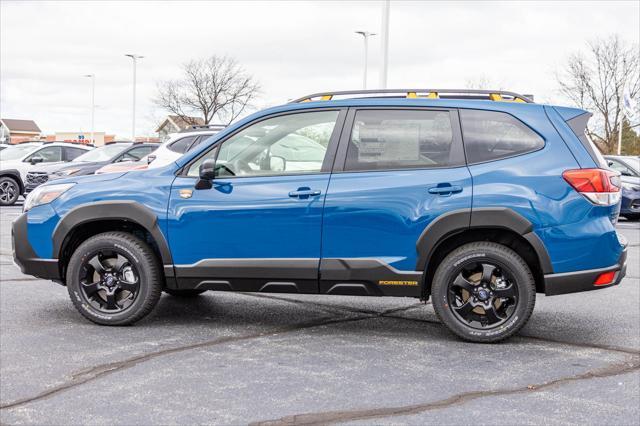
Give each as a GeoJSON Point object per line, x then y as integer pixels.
{"type": "Point", "coordinates": [630, 179]}
{"type": "Point", "coordinates": [10, 164]}
{"type": "Point", "coordinates": [89, 178]}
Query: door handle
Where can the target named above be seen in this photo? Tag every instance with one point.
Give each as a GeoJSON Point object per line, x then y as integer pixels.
{"type": "Point", "coordinates": [304, 193]}
{"type": "Point", "coordinates": [445, 189]}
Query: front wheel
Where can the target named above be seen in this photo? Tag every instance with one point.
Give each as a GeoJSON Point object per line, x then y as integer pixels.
{"type": "Point", "coordinates": [483, 292]}
{"type": "Point", "coordinates": [114, 279]}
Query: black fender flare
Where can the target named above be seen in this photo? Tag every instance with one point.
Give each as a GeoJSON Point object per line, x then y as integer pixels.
{"type": "Point", "coordinates": [125, 210]}
{"type": "Point", "coordinates": [486, 217]}
{"type": "Point", "coordinates": [14, 174]}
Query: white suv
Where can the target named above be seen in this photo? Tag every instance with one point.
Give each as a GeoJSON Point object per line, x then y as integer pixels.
{"type": "Point", "coordinates": [17, 160]}
{"type": "Point", "coordinates": [182, 142]}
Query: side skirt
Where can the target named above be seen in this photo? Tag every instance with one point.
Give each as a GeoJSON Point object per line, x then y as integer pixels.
{"type": "Point", "coordinates": [356, 277]}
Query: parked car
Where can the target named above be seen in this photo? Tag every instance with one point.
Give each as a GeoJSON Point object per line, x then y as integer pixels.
{"type": "Point", "coordinates": [475, 199]}
{"type": "Point", "coordinates": [182, 142]}
{"type": "Point", "coordinates": [88, 163]}
{"type": "Point", "coordinates": [629, 168]}
{"type": "Point", "coordinates": [18, 160]}
{"type": "Point", "coordinates": [125, 166]}
{"type": "Point", "coordinates": [4, 146]}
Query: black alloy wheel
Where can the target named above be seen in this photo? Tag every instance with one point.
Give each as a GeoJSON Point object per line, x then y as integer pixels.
{"type": "Point", "coordinates": [114, 278]}
{"type": "Point", "coordinates": [483, 292]}
{"type": "Point", "coordinates": [483, 295]}
{"type": "Point", "coordinates": [109, 281]}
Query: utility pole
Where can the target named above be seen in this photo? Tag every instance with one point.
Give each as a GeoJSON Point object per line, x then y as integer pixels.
{"type": "Point", "coordinates": [385, 43]}
{"type": "Point", "coordinates": [93, 103]}
{"type": "Point", "coordinates": [365, 35]}
{"type": "Point", "coordinates": [135, 58]}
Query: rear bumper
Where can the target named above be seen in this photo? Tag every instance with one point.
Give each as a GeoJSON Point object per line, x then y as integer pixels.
{"type": "Point", "coordinates": [25, 257]}
{"type": "Point", "coordinates": [573, 282]}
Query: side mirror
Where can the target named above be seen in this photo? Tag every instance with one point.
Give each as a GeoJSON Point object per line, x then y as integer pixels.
{"type": "Point", "coordinates": [610, 163]}
{"type": "Point", "coordinates": [36, 160]}
{"type": "Point", "coordinates": [277, 164]}
{"type": "Point", "coordinates": [150, 158]}
{"type": "Point", "coordinates": [207, 172]}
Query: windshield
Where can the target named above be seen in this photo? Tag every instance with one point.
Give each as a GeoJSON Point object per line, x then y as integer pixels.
{"type": "Point", "coordinates": [16, 152]}
{"type": "Point", "coordinates": [103, 153]}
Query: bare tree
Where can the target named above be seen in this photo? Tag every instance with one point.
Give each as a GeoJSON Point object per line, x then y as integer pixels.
{"type": "Point", "coordinates": [216, 87]}
{"type": "Point", "coordinates": [595, 81]}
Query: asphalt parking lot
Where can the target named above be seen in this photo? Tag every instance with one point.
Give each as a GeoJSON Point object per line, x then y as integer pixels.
{"type": "Point", "coordinates": [287, 359]}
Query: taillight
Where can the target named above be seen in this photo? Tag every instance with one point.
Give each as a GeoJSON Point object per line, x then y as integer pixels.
{"type": "Point", "coordinates": [601, 187]}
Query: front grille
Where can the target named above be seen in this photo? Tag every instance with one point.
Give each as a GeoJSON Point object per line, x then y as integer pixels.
{"type": "Point", "coordinates": [36, 178]}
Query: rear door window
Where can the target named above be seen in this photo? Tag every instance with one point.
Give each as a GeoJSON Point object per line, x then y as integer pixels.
{"type": "Point", "coordinates": [181, 145]}
{"type": "Point", "coordinates": [399, 139]}
{"type": "Point", "coordinates": [72, 153]}
{"type": "Point", "coordinates": [491, 135]}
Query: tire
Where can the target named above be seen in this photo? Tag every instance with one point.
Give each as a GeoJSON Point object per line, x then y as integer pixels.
{"type": "Point", "coordinates": [187, 293]}
{"type": "Point", "coordinates": [119, 288]}
{"type": "Point", "coordinates": [9, 191]}
{"type": "Point", "coordinates": [464, 272]}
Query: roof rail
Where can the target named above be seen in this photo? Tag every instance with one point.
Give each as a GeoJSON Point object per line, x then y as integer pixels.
{"type": "Point", "coordinates": [492, 95]}
{"type": "Point", "coordinates": [197, 127]}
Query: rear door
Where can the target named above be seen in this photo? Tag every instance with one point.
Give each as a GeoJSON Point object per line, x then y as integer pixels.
{"type": "Point", "coordinates": [396, 171]}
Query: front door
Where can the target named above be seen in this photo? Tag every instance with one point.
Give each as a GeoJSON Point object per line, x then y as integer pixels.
{"type": "Point", "coordinates": [258, 227]}
{"type": "Point", "coordinates": [396, 171]}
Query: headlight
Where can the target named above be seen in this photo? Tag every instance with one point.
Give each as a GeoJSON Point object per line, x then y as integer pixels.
{"type": "Point", "coordinates": [67, 172]}
{"type": "Point", "coordinates": [45, 194]}
{"type": "Point", "coordinates": [630, 186]}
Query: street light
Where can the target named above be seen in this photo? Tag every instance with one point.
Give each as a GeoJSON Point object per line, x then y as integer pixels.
{"type": "Point", "coordinates": [93, 101]}
{"type": "Point", "coordinates": [385, 43]}
{"type": "Point", "coordinates": [365, 35]}
{"type": "Point", "coordinates": [135, 58]}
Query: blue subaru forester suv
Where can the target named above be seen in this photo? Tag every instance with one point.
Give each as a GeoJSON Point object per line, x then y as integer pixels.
{"type": "Point", "coordinates": [477, 199]}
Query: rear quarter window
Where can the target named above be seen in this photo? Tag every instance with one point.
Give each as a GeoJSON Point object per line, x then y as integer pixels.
{"type": "Point", "coordinates": [492, 135]}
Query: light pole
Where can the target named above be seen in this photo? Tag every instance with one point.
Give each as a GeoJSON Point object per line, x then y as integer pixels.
{"type": "Point", "coordinates": [365, 35]}
{"type": "Point", "coordinates": [385, 43]}
{"type": "Point", "coordinates": [93, 101]}
{"type": "Point", "coordinates": [135, 58]}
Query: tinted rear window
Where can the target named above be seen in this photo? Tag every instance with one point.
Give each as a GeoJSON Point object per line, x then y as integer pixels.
{"type": "Point", "coordinates": [491, 135]}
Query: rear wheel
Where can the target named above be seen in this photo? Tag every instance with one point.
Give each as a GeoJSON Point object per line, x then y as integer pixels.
{"type": "Point", "coordinates": [483, 292]}
{"type": "Point", "coordinates": [186, 293]}
{"type": "Point", "coordinates": [114, 279]}
{"type": "Point", "coordinates": [9, 191]}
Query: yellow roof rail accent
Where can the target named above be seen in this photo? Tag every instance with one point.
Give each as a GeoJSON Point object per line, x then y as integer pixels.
{"type": "Point", "coordinates": [493, 95]}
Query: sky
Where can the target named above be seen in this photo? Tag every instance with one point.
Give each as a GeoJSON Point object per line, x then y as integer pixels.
{"type": "Point", "coordinates": [291, 48]}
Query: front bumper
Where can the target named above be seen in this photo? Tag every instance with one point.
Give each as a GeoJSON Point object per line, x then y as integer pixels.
{"type": "Point", "coordinates": [573, 282]}
{"type": "Point", "coordinates": [24, 256]}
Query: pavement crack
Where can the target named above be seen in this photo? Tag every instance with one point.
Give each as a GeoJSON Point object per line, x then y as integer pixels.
{"type": "Point", "coordinates": [102, 370]}
{"type": "Point", "coordinates": [390, 314]}
{"type": "Point", "coordinates": [329, 417]}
